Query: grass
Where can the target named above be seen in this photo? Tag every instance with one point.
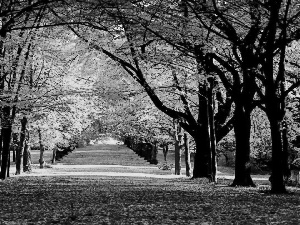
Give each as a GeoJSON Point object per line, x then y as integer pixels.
{"type": "Point", "coordinates": [69, 198]}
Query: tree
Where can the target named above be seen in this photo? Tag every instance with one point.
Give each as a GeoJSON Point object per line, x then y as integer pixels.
{"type": "Point", "coordinates": [257, 49]}
{"type": "Point", "coordinates": [22, 143]}
{"type": "Point", "coordinates": [188, 166]}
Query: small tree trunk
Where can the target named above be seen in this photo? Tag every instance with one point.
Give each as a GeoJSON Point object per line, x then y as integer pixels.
{"type": "Point", "coordinates": [8, 164]}
{"type": "Point", "coordinates": [242, 129]}
{"type": "Point", "coordinates": [6, 136]}
{"type": "Point", "coordinates": [165, 151]}
{"type": "Point", "coordinates": [177, 144]}
{"type": "Point", "coordinates": [212, 130]}
{"type": "Point", "coordinates": [20, 148]}
{"type": "Point", "coordinates": [27, 158]}
{"type": "Point", "coordinates": [54, 155]}
{"type": "Point", "coordinates": [285, 146]}
{"type": "Point", "coordinates": [226, 159]}
{"type": "Point", "coordinates": [188, 166]}
{"type": "Point", "coordinates": [1, 147]}
{"type": "Point", "coordinates": [42, 149]}
{"type": "Point", "coordinates": [14, 153]}
{"type": "Point", "coordinates": [154, 154]}
{"type": "Point", "coordinates": [15, 140]}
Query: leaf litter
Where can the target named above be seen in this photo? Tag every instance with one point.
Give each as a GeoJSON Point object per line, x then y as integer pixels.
{"type": "Point", "coordinates": [58, 198]}
{"type": "Point", "coordinates": [104, 200]}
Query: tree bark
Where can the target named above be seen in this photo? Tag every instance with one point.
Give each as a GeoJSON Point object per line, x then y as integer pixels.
{"type": "Point", "coordinates": [202, 160]}
{"type": "Point", "coordinates": [285, 149]}
{"type": "Point", "coordinates": [14, 145]}
{"type": "Point", "coordinates": [165, 151]}
{"type": "Point", "coordinates": [8, 164]}
{"type": "Point", "coordinates": [203, 155]}
{"type": "Point", "coordinates": [1, 147]}
{"type": "Point", "coordinates": [54, 154]}
{"type": "Point", "coordinates": [177, 144]}
{"type": "Point", "coordinates": [6, 136]}
{"type": "Point", "coordinates": [188, 166]}
{"type": "Point", "coordinates": [42, 149]}
{"type": "Point", "coordinates": [27, 157]}
{"type": "Point", "coordinates": [20, 148]}
{"type": "Point", "coordinates": [153, 157]}
{"type": "Point", "coordinates": [27, 153]}
{"type": "Point", "coordinates": [242, 129]}
{"type": "Point", "coordinates": [212, 130]}
{"type": "Point", "coordinates": [277, 177]}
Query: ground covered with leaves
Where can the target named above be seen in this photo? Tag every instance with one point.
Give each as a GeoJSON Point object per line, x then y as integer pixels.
{"type": "Point", "coordinates": [47, 197]}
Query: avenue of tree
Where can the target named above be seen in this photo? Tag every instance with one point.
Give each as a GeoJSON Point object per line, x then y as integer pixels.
{"type": "Point", "coordinates": [157, 71]}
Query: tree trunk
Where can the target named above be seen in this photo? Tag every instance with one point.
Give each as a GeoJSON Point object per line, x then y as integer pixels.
{"type": "Point", "coordinates": [20, 148]}
{"type": "Point", "coordinates": [54, 155]}
{"type": "Point", "coordinates": [15, 145]}
{"type": "Point", "coordinates": [42, 149]}
{"type": "Point", "coordinates": [188, 166]}
{"type": "Point", "coordinates": [27, 157]}
{"type": "Point", "coordinates": [6, 136]}
{"type": "Point", "coordinates": [203, 156]}
{"type": "Point", "coordinates": [202, 160]}
{"type": "Point", "coordinates": [165, 151]}
{"type": "Point", "coordinates": [177, 144]}
{"type": "Point", "coordinates": [1, 147]}
{"type": "Point", "coordinates": [14, 153]}
{"type": "Point", "coordinates": [153, 159]}
{"type": "Point", "coordinates": [242, 129]}
{"type": "Point", "coordinates": [212, 130]}
{"type": "Point", "coordinates": [8, 164]}
{"type": "Point", "coordinates": [276, 179]}
{"type": "Point", "coordinates": [285, 149]}
{"type": "Point", "coordinates": [27, 153]}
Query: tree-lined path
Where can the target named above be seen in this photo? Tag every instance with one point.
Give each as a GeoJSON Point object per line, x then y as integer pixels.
{"type": "Point", "coordinates": [110, 184]}
{"type": "Point", "coordinates": [116, 161]}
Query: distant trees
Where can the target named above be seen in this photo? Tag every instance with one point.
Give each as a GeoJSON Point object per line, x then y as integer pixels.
{"type": "Point", "coordinates": [33, 62]}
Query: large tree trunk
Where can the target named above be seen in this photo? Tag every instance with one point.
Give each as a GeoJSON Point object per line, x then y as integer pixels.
{"type": "Point", "coordinates": [42, 149]}
{"type": "Point", "coordinates": [242, 129]}
{"type": "Point", "coordinates": [277, 177]}
{"type": "Point", "coordinates": [202, 161]}
{"type": "Point", "coordinates": [203, 155]}
{"type": "Point", "coordinates": [20, 148]}
{"type": "Point", "coordinates": [6, 136]}
{"type": "Point", "coordinates": [188, 166]}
